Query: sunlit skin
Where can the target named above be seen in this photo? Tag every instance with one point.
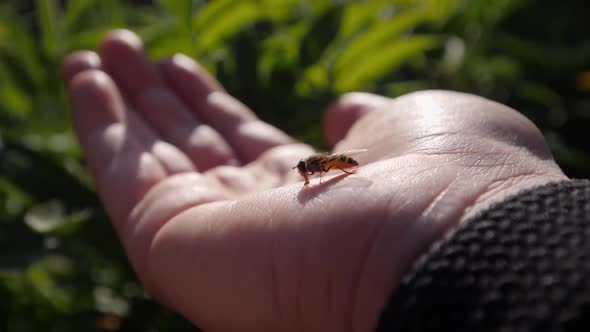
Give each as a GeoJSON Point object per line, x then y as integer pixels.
{"type": "Point", "coordinates": [215, 221]}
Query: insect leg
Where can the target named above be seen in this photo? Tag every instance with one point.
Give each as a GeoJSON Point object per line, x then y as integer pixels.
{"type": "Point", "coordinates": [327, 169]}
{"type": "Point", "coordinates": [347, 172]}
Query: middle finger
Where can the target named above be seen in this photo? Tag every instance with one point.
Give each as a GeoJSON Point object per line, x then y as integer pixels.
{"type": "Point", "coordinates": [124, 58]}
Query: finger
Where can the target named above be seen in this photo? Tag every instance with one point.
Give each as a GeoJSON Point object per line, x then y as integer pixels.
{"type": "Point", "coordinates": [78, 62]}
{"type": "Point", "coordinates": [345, 111]}
{"type": "Point", "coordinates": [122, 168]}
{"type": "Point", "coordinates": [124, 57]}
{"type": "Point", "coordinates": [169, 156]}
{"type": "Point", "coordinates": [248, 136]}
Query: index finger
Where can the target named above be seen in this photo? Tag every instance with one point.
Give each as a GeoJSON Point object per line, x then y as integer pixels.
{"type": "Point", "coordinates": [248, 135]}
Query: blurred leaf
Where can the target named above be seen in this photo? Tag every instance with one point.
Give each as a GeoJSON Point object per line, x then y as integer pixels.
{"type": "Point", "coordinates": [500, 67]}
{"type": "Point", "coordinates": [51, 217]}
{"type": "Point", "coordinates": [42, 277]}
{"type": "Point", "coordinates": [440, 12]}
{"type": "Point", "coordinates": [358, 15]}
{"type": "Point", "coordinates": [162, 41]}
{"type": "Point", "coordinates": [280, 10]}
{"type": "Point", "coordinates": [488, 13]}
{"type": "Point", "coordinates": [49, 23]}
{"type": "Point", "coordinates": [15, 199]}
{"type": "Point", "coordinates": [23, 52]}
{"type": "Point", "coordinates": [556, 59]}
{"type": "Point", "coordinates": [87, 39]}
{"type": "Point", "coordinates": [45, 217]}
{"type": "Point", "coordinates": [399, 88]}
{"type": "Point", "coordinates": [234, 18]}
{"type": "Point", "coordinates": [4, 32]}
{"type": "Point", "coordinates": [75, 11]}
{"type": "Point", "coordinates": [12, 262]}
{"type": "Point", "coordinates": [318, 37]}
{"type": "Point", "coordinates": [539, 94]}
{"type": "Point", "coordinates": [315, 78]}
{"type": "Point", "coordinates": [211, 12]}
{"type": "Point", "coordinates": [373, 39]}
{"type": "Point", "coordinates": [42, 177]}
{"type": "Point", "coordinates": [108, 302]}
{"type": "Point", "coordinates": [375, 66]}
{"type": "Point", "coordinates": [181, 9]}
{"type": "Point", "coordinates": [14, 99]}
{"type": "Point", "coordinates": [278, 51]}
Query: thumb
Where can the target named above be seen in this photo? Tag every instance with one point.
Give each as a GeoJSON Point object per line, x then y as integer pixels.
{"type": "Point", "coordinates": [346, 110]}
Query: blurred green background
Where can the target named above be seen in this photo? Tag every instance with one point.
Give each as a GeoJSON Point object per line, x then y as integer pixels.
{"type": "Point", "coordinates": [61, 267]}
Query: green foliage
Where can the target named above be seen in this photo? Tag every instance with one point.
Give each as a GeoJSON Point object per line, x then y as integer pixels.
{"type": "Point", "coordinates": [61, 266]}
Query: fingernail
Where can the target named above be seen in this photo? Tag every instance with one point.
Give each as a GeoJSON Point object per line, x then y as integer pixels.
{"type": "Point", "coordinates": [128, 37]}
{"type": "Point", "coordinates": [185, 62]}
{"type": "Point", "coordinates": [78, 62]}
{"type": "Point", "coordinates": [93, 93]}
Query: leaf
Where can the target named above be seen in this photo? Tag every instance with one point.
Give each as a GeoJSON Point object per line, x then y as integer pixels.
{"type": "Point", "coordinates": [499, 67]}
{"type": "Point", "coordinates": [14, 99]}
{"type": "Point", "coordinates": [50, 217]}
{"type": "Point", "coordinates": [538, 93]}
{"type": "Point", "coordinates": [440, 11]}
{"type": "Point", "coordinates": [386, 60]}
{"type": "Point", "coordinates": [50, 31]}
{"type": "Point", "coordinates": [376, 36]}
{"type": "Point", "coordinates": [280, 10]}
{"type": "Point", "coordinates": [323, 30]}
{"type": "Point", "coordinates": [357, 15]}
{"type": "Point", "coordinates": [554, 59]}
{"type": "Point", "coordinates": [107, 301]}
{"type": "Point", "coordinates": [5, 28]}
{"type": "Point", "coordinates": [279, 51]}
{"type": "Point", "coordinates": [314, 78]}
{"type": "Point", "coordinates": [234, 19]}
{"type": "Point", "coordinates": [163, 39]}
{"type": "Point", "coordinates": [42, 276]}
{"type": "Point", "coordinates": [14, 198]}
{"type": "Point", "coordinates": [43, 218]}
{"type": "Point", "coordinates": [399, 88]}
{"type": "Point", "coordinates": [75, 11]}
{"type": "Point", "coordinates": [181, 9]}
{"type": "Point", "coordinates": [488, 13]}
{"type": "Point", "coordinates": [19, 43]}
{"type": "Point", "coordinates": [87, 39]}
{"type": "Point", "coordinates": [210, 13]}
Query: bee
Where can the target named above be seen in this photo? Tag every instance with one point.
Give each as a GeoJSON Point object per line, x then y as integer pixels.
{"type": "Point", "coordinates": [323, 162]}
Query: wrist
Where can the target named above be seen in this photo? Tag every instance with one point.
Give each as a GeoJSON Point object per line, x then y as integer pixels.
{"type": "Point", "coordinates": [508, 179]}
{"type": "Point", "coordinates": [470, 190]}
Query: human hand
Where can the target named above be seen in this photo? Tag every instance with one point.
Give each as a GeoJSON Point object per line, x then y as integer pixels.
{"type": "Point", "coordinates": [218, 226]}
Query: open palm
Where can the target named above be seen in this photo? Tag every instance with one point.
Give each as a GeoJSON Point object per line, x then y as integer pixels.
{"type": "Point", "coordinates": [217, 224]}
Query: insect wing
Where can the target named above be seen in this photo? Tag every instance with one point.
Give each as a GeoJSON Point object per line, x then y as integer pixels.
{"type": "Point", "coordinates": [342, 159]}
{"type": "Point", "coordinates": [351, 152]}
{"type": "Point", "coordinates": [345, 154]}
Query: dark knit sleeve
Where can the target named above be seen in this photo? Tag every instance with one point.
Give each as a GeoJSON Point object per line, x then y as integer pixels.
{"type": "Point", "coordinates": [521, 265]}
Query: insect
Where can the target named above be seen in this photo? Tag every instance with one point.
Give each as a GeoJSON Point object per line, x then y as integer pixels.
{"type": "Point", "coordinates": [323, 162]}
